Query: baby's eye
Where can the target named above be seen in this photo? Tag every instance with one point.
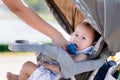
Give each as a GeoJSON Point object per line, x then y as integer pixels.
{"type": "Point", "coordinates": [83, 38]}
{"type": "Point", "coordinates": [76, 35]}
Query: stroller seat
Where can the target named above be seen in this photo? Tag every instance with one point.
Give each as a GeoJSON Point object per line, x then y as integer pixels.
{"type": "Point", "coordinates": [68, 66]}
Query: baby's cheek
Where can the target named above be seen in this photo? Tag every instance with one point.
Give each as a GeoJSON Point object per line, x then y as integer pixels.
{"type": "Point", "coordinates": [73, 40]}
{"type": "Point", "coordinates": [78, 49]}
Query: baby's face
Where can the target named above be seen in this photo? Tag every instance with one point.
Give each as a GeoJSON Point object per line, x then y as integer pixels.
{"type": "Point", "coordinates": [83, 37]}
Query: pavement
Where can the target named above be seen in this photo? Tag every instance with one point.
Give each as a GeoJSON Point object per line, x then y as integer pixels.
{"type": "Point", "coordinates": [12, 62]}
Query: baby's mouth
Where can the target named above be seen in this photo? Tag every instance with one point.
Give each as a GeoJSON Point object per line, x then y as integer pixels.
{"type": "Point", "coordinates": [75, 45]}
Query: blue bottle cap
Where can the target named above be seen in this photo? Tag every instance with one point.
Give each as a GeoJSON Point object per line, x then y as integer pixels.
{"type": "Point", "coordinates": [72, 49]}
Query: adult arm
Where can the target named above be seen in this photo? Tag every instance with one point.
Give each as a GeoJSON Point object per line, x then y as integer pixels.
{"type": "Point", "coordinates": [30, 17]}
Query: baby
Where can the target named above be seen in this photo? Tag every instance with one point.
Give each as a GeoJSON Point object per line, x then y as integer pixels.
{"type": "Point", "coordinates": [84, 39]}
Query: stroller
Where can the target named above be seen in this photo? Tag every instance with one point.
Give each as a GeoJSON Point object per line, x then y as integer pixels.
{"type": "Point", "coordinates": [103, 15]}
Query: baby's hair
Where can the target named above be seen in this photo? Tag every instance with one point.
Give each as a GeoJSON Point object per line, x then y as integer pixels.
{"type": "Point", "coordinates": [88, 25]}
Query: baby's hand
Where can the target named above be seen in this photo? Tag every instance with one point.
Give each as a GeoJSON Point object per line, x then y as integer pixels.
{"type": "Point", "coordinates": [41, 63]}
{"type": "Point", "coordinates": [52, 67]}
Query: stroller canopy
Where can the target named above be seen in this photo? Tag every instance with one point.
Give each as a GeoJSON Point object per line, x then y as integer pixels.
{"type": "Point", "coordinates": [103, 15]}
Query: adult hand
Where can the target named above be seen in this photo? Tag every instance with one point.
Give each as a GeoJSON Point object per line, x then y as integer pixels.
{"type": "Point", "coordinates": [60, 41]}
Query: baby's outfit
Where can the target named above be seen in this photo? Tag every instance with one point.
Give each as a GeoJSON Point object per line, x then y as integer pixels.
{"type": "Point", "coordinates": [42, 73]}
{"type": "Point", "coordinates": [87, 51]}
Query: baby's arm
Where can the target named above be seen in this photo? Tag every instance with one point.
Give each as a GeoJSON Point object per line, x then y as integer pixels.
{"type": "Point", "coordinates": [80, 57]}
{"type": "Point", "coordinates": [52, 67]}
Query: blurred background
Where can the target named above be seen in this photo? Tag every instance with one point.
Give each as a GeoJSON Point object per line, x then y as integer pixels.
{"type": "Point", "coordinates": [12, 28]}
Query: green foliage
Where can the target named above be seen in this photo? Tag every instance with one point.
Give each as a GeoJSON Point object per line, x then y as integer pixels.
{"type": "Point", "coordinates": [38, 5]}
{"type": "Point", "coordinates": [4, 48]}
{"type": "Point", "coordinates": [41, 8]}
